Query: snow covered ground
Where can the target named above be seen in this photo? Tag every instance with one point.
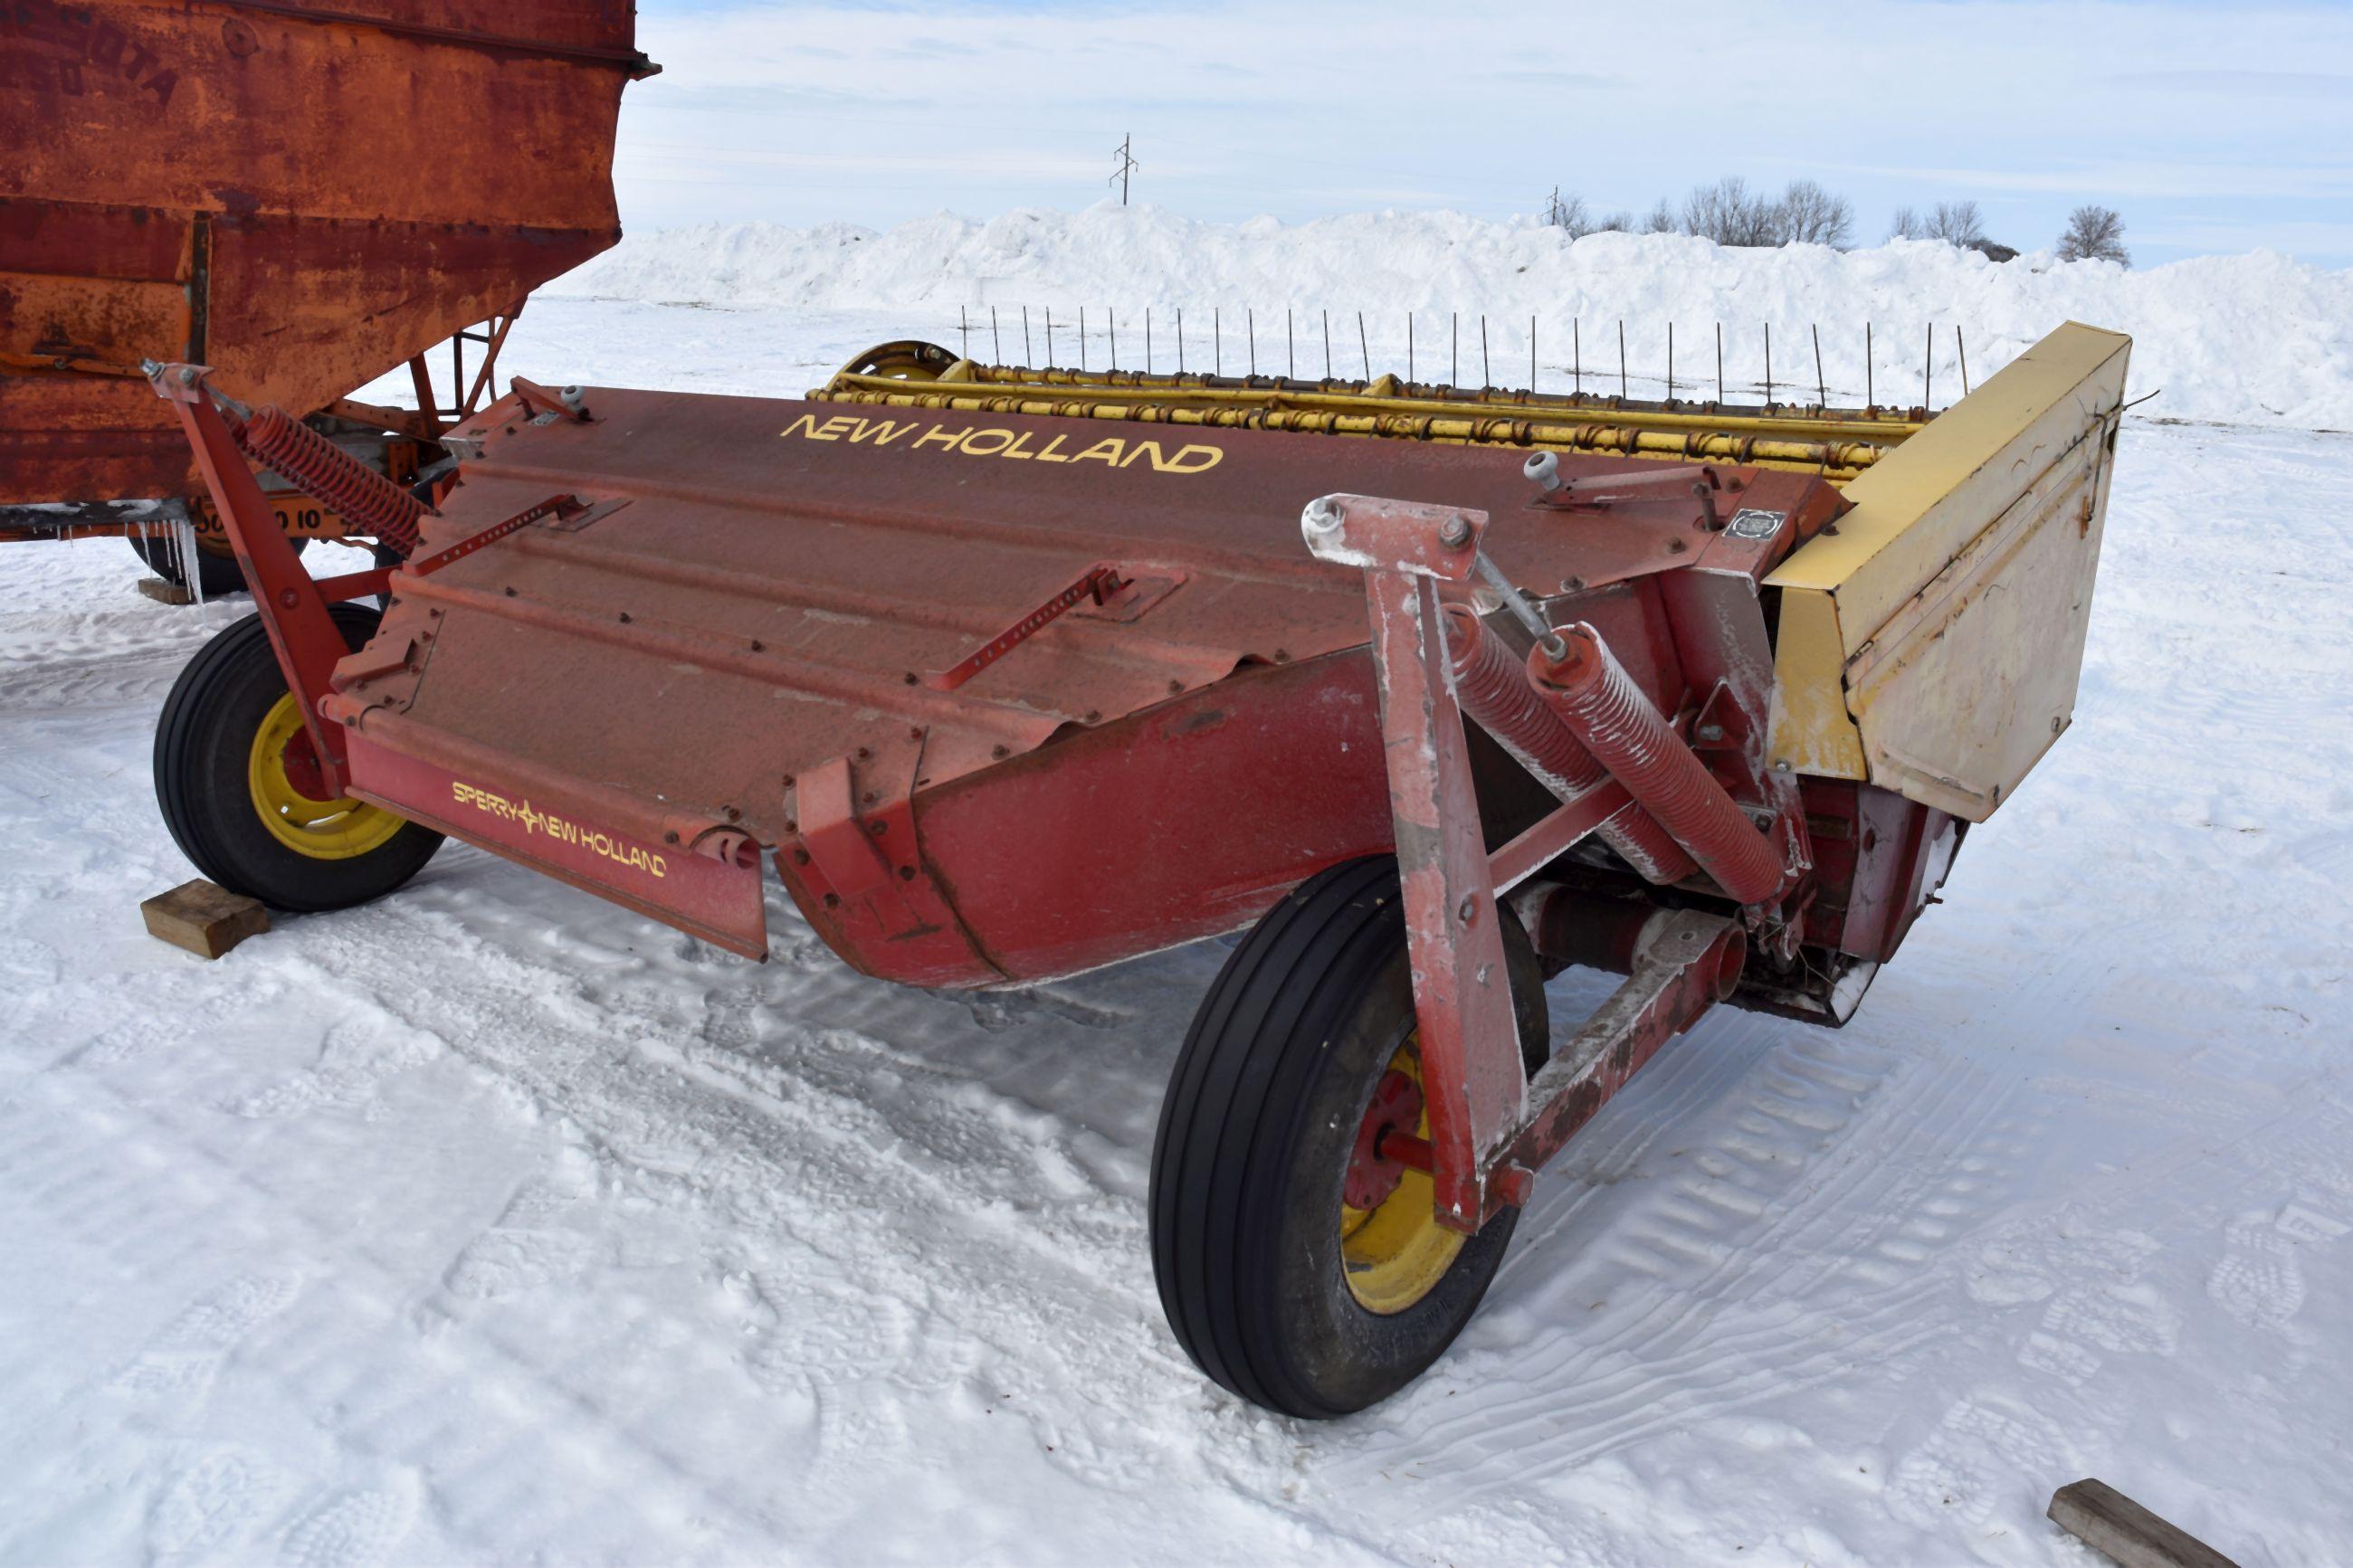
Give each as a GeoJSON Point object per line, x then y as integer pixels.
{"type": "Point", "coordinates": [492, 1222]}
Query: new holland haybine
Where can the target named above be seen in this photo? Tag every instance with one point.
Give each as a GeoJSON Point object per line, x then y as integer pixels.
{"type": "Point", "coordinates": [1007, 674]}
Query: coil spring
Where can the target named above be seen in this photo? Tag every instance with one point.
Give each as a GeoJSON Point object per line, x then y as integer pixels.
{"type": "Point", "coordinates": [370, 502]}
{"type": "Point", "coordinates": [1493, 689]}
{"type": "Point", "coordinates": [1608, 713]}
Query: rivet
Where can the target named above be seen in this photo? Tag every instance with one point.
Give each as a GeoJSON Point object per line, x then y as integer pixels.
{"type": "Point", "coordinates": [877, 828]}
{"type": "Point", "coordinates": [999, 752]}
{"type": "Point", "coordinates": [833, 900]}
{"type": "Point", "coordinates": [624, 618]}
{"type": "Point", "coordinates": [800, 857]}
{"type": "Point", "coordinates": [670, 837]}
{"type": "Point", "coordinates": [906, 873]}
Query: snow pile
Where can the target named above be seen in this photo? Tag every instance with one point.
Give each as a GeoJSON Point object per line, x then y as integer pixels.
{"type": "Point", "coordinates": [2255, 338]}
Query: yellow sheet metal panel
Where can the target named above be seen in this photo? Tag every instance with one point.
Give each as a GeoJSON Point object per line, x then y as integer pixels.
{"type": "Point", "coordinates": [1812, 733]}
{"type": "Point", "coordinates": [1960, 583]}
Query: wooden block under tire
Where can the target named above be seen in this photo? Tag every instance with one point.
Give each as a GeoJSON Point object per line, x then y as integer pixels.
{"type": "Point", "coordinates": [165, 592]}
{"type": "Point", "coordinates": [203, 916]}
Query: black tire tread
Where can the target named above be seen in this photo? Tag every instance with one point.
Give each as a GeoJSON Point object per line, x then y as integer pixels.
{"type": "Point", "coordinates": [191, 813]}
{"type": "Point", "coordinates": [1227, 1124]}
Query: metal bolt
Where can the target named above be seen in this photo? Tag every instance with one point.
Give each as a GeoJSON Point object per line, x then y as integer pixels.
{"type": "Point", "coordinates": [1454, 532]}
{"type": "Point", "coordinates": [2058, 724]}
{"type": "Point", "coordinates": [187, 375]}
{"type": "Point", "coordinates": [1470, 907]}
{"type": "Point", "coordinates": [1711, 732]}
{"type": "Point", "coordinates": [1322, 514]}
{"type": "Point", "coordinates": [877, 828]}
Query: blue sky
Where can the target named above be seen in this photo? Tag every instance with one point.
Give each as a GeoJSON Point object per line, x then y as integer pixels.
{"type": "Point", "coordinates": [2211, 128]}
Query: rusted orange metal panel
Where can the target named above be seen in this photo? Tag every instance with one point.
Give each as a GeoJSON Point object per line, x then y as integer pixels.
{"type": "Point", "coordinates": [300, 196]}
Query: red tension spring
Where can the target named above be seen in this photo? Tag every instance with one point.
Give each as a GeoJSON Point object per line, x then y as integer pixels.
{"type": "Point", "coordinates": [370, 502]}
{"type": "Point", "coordinates": [1605, 709]}
{"type": "Point", "coordinates": [1492, 686]}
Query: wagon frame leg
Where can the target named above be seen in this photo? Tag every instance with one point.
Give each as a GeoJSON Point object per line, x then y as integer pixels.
{"type": "Point", "coordinates": [1491, 1128]}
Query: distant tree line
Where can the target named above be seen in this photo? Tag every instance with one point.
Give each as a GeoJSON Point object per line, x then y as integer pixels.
{"type": "Point", "coordinates": [1729, 213]}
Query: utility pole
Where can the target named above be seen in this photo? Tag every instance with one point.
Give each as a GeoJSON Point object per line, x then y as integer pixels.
{"type": "Point", "coordinates": [1127, 165]}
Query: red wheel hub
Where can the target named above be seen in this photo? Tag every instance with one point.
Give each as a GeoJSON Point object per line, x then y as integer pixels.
{"type": "Point", "coordinates": [301, 760]}
{"type": "Point", "coordinates": [1396, 1110]}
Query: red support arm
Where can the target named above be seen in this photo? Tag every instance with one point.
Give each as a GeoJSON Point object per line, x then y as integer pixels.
{"type": "Point", "coordinates": [293, 611]}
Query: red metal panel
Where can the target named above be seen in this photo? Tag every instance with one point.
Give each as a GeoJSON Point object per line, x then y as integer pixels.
{"type": "Point", "coordinates": [717, 899]}
{"type": "Point", "coordinates": [1181, 822]}
{"type": "Point", "coordinates": [784, 573]}
{"type": "Point", "coordinates": [91, 239]}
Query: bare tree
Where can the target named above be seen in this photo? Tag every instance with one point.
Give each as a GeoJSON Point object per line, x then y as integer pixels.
{"type": "Point", "coordinates": [1906, 225]}
{"type": "Point", "coordinates": [1661, 220]}
{"type": "Point", "coordinates": [1727, 213]}
{"type": "Point", "coordinates": [1567, 212]}
{"type": "Point", "coordinates": [1957, 223]}
{"type": "Point", "coordinates": [2094, 234]}
{"type": "Point", "coordinates": [1614, 223]}
{"type": "Point", "coordinates": [1811, 215]}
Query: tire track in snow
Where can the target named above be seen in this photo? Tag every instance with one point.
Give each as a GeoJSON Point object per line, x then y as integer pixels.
{"type": "Point", "coordinates": [1767, 1274]}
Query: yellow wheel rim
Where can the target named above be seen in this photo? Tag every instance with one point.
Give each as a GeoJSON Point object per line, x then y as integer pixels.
{"type": "Point", "coordinates": [322, 829]}
{"type": "Point", "coordinates": [1395, 1253]}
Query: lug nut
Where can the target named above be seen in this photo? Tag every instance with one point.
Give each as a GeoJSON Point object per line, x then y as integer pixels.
{"type": "Point", "coordinates": [1454, 532]}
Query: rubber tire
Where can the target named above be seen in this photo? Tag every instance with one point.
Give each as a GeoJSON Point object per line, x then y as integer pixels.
{"type": "Point", "coordinates": [218, 574]}
{"type": "Point", "coordinates": [203, 743]}
{"type": "Point", "coordinates": [1262, 1108]}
